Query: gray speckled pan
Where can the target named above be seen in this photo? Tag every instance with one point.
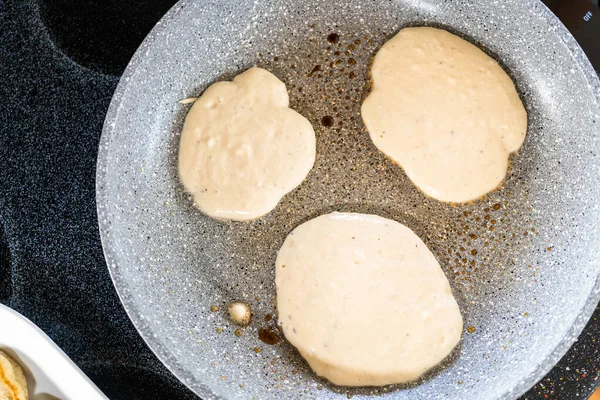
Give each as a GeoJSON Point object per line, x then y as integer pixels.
{"type": "Point", "coordinates": [523, 262]}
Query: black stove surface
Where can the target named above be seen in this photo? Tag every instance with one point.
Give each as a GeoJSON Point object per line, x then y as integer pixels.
{"type": "Point", "coordinates": [60, 61]}
{"type": "Point", "coordinates": [582, 17]}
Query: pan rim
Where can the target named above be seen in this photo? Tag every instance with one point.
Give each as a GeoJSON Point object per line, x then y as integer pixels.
{"type": "Point", "coordinates": [123, 291]}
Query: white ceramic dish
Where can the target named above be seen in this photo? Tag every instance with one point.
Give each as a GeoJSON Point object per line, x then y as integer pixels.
{"type": "Point", "coordinates": [50, 373]}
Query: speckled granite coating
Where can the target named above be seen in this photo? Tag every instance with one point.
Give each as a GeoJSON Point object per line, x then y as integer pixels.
{"type": "Point", "coordinates": [51, 115]}
{"type": "Point", "coordinates": [523, 261]}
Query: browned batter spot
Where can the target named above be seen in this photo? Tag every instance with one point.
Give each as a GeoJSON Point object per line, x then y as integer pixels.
{"type": "Point", "coordinates": [327, 121]}
{"type": "Point", "coordinates": [240, 313]}
{"type": "Point", "coordinates": [268, 336]}
{"type": "Point", "coordinates": [333, 38]}
{"type": "Point", "coordinates": [315, 69]}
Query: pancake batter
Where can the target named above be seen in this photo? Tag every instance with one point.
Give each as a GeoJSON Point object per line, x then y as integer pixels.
{"type": "Point", "coordinates": [242, 149]}
{"type": "Point", "coordinates": [445, 112]}
{"type": "Point", "coordinates": [364, 301]}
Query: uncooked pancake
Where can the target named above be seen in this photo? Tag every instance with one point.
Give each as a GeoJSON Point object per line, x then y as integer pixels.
{"type": "Point", "coordinates": [364, 300]}
{"type": "Point", "coordinates": [445, 111]}
{"type": "Point", "coordinates": [242, 149]}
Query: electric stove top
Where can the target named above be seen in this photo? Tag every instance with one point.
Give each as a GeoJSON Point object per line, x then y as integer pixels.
{"type": "Point", "coordinates": [60, 61]}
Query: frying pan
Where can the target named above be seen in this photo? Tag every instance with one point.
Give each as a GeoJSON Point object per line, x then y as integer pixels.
{"type": "Point", "coordinates": [522, 262]}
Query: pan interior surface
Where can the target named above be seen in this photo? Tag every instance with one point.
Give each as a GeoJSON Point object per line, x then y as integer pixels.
{"type": "Point", "coordinates": [522, 262]}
